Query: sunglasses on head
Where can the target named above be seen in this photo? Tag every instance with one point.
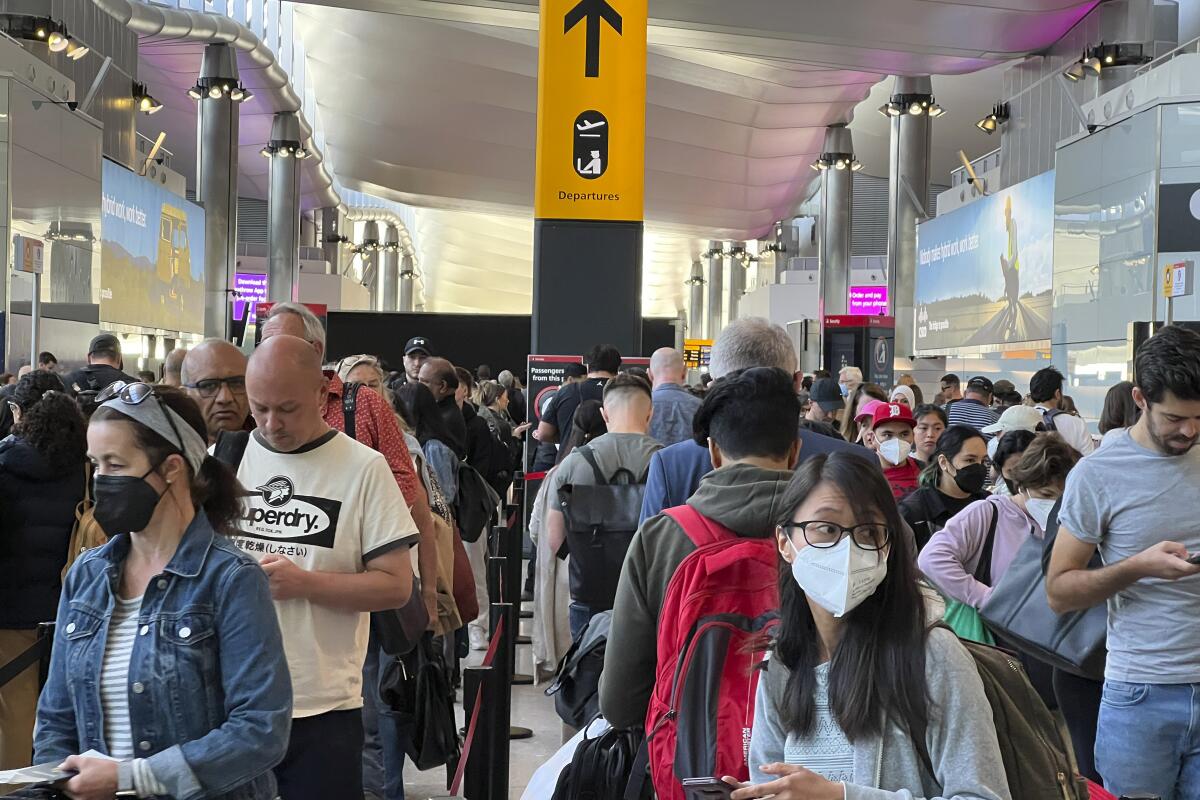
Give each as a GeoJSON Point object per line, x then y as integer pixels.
{"type": "Point", "coordinates": [135, 394]}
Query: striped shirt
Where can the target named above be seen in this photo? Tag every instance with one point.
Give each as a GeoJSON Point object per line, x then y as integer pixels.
{"type": "Point", "coordinates": [114, 694]}
{"type": "Point", "coordinates": [973, 413]}
{"type": "Point", "coordinates": [114, 677]}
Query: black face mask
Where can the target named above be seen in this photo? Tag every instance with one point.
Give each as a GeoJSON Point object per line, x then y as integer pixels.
{"type": "Point", "coordinates": [971, 478]}
{"type": "Point", "coordinates": [124, 503]}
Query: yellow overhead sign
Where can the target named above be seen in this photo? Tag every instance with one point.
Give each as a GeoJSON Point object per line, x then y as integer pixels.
{"type": "Point", "coordinates": [591, 137]}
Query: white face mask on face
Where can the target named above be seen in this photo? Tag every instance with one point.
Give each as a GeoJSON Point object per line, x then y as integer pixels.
{"type": "Point", "coordinates": [895, 451]}
{"type": "Point", "coordinates": [841, 577]}
{"type": "Point", "coordinates": [1040, 508]}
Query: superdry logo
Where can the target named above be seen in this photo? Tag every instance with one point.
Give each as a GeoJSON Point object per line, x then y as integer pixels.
{"type": "Point", "coordinates": [278, 491]}
{"type": "Point", "coordinates": [275, 512]}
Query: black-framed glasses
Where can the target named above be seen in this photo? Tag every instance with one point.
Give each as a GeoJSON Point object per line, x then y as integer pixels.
{"type": "Point", "coordinates": [820, 533]}
{"type": "Point", "coordinates": [210, 387]}
{"type": "Point", "coordinates": [135, 394]}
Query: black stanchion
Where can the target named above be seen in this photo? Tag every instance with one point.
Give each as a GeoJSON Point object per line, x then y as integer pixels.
{"type": "Point", "coordinates": [488, 753]}
{"type": "Point", "coordinates": [501, 614]}
{"type": "Point", "coordinates": [512, 539]}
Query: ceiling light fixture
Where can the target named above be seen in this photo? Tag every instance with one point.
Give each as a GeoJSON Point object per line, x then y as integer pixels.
{"type": "Point", "coordinates": [1105, 56]}
{"type": "Point", "coordinates": [219, 76]}
{"type": "Point", "coordinates": [992, 122]}
{"type": "Point", "coordinates": [143, 101]}
{"type": "Point", "coordinates": [76, 51]}
{"type": "Point", "coordinates": [836, 161]}
{"type": "Point", "coordinates": [912, 104]}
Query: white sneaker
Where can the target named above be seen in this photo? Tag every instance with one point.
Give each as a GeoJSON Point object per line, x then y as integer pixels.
{"type": "Point", "coordinates": [479, 639]}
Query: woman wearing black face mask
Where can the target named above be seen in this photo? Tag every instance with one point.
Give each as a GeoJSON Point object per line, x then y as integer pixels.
{"type": "Point", "coordinates": [953, 480]}
{"type": "Point", "coordinates": [167, 653]}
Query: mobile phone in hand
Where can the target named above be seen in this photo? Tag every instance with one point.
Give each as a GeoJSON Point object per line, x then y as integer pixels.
{"type": "Point", "coordinates": [706, 789]}
{"type": "Point", "coordinates": [1194, 559]}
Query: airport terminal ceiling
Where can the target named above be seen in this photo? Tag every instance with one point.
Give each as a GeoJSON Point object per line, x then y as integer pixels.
{"type": "Point", "coordinates": [433, 104]}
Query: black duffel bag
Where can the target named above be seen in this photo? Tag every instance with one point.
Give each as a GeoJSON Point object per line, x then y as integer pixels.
{"type": "Point", "coordinates": [1019, 614]}
{"type": "Point", "coordinates": [416, 688]}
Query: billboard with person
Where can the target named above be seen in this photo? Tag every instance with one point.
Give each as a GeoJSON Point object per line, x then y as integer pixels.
{"type": "Point", "coordinates": [151, 254]}
{"type": "Point", "coordinates": [985, 272]}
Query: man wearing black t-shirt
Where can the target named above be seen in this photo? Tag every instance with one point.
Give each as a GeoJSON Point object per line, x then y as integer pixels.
{"type": "Point", "coordinates": [602, 362]}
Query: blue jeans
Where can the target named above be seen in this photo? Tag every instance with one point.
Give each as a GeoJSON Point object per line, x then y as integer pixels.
{"type": "Point", "coordinates": [385, 735]}
{"type": "Point", "coordinates": [578, 617]}
{"type": "Point", "coordinates": [1148, 739]}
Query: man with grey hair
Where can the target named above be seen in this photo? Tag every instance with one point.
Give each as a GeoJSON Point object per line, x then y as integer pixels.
{"type": "Point", "coordinates": [173, 367]}
{"type": "Point", "coordinates": [675, 471]}
{"type": "Point", "coordinates": [849, 379]}
{"type": "Point", "coordinates": [674, 405]}
{"type": "Point", "coordinates": [295, 319]}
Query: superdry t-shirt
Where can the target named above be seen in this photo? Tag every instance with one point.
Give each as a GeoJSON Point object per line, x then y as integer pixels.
{"type": "Point", "coordinates": [331, 506]}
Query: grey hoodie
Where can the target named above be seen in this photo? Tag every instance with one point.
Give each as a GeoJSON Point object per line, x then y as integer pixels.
{"type": "Point", "coordinates": [744, 499]}
{"type": "Point", "coordinates": [961, 738]}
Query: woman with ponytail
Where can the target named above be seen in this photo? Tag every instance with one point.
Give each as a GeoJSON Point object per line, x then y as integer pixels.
{"type": "Point", "coordinates": [42, 475]}
{"type": "Point", "coordinates": [167, 653]}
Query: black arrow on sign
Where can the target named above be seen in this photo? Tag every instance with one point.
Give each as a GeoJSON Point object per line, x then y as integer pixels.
{"type": "Point", "coordinates": [593, 11]}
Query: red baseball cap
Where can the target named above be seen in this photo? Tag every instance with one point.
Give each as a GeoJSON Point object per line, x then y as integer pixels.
{"type": "Point", "coordinates": [892, 412]}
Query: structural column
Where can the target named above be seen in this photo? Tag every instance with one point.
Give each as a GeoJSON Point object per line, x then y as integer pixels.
{"type": "Point", "coordinates": [216, 180]}
{"type": "Point", "coordinates": [716, 291]}
{"type": "Point", "coordinates": [737, 285]}
{"type": "Point", "coordinates": [391, 268]}
{"type": "Point", "coordinates": [696, 302]}
{"type": "Point", "coordinates": [331, 245]}
{"type": "Point", "coordinates": [408, 279]}
{"type": "Point", "coordinates": [370, 258]}
{"type": "Point", "coordinates": [908, 188]}
{"type": "Point", "coordinates": [283, 206]}
{"type": "Point", "coordinates": [837, 201]}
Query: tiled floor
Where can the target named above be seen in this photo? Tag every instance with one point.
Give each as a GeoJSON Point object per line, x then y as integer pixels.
{"type": "Point", "coordinates": [531, 709]}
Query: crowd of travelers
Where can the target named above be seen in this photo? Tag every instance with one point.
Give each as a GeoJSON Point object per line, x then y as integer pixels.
{"type": "Point", "coordinates": [769, 584]}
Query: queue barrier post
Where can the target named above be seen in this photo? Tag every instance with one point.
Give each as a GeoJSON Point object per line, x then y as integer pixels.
{"type": "Point", "coordinates": [480, 685]}
{"type": "Point", "coordinates": [500, 697]}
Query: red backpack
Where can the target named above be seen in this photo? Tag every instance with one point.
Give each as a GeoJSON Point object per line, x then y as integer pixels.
{"type": "Point", "coordinates": [718, 609]}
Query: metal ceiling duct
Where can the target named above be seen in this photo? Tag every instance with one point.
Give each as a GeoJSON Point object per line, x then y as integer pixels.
{"type": "Point", "coordinates": [262, 74]}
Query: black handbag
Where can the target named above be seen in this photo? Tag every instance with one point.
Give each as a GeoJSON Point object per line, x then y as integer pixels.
{"type": "Point", "coordinates": [576, 687]}
{"type": "Point", "coordinates": [400, 629]}
{"type": "Point", "coordinates": [1019, 614]}
{"type": "Point", "coordinates": [416, 688]}
{"type": "Point", "coordinates": [601, 519]}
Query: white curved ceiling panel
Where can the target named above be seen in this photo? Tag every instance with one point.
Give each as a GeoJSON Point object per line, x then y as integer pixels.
{"type": "Point", "coordinates": [433, 103]}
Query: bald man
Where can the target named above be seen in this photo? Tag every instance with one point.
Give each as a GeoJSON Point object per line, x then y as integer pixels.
{"type": "Point", "coordinates": [439, 377]}
{"type": "Point", "coordinates": [173, 367]}
{"type": "Point", "coordinates": [332, 531]}
{"type": "Point", "coordinates": [674, 405]}
{"type": "Point", "coordinates": [214, 375]}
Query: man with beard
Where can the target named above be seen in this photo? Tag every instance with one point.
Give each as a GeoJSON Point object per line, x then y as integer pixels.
{"type": "Point", "coordinates": [1137, 500]}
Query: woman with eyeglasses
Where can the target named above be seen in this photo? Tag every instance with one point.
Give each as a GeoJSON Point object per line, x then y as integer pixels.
{"type": "Point", "coordinates": [952, 480]}
{"type": "Point", "coordinates": [42, 475]}
{"type": "Point", "coordinates": [857, 676]}
{"type": "Point", "coordinates": [167, 654]}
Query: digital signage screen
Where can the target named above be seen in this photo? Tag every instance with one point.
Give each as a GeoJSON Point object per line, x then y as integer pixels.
{"type": "Point", "coordinates": [151, 254]}
{"type": "Point", "coordinates": [985, 272]}
{"type": "Point", "coordinates": [867, 301]}
{"type": "Point", "coordinates": [249, 289]}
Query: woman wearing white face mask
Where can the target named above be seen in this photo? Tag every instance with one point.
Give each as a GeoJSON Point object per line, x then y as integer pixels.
{"type": "Point", "coordinates": [857, 677]}
{"type": "Point", "coordinates": [951, 560]}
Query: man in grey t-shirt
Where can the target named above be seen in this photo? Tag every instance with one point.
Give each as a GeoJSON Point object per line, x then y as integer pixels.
{"type": "Point", "coordinates": [1138, 501]}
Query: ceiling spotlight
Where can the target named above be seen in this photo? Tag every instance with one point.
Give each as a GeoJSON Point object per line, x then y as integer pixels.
{"type": "Point", "coordinates": [1075, 72]}
{"type": "Point", "coordinates": [856, 165]}
{"type": "Point", "coordinates": [266, 152]}
{"type": "Point", "coordinates": [144, 101]}
{"type": "Point", "coordinates": [891, 109]}
{"type": "Point", "coordinates": [195, 93]}
{"type": "Point", "coordinates": [916, 109]}
{"type": "Point", "coordinates": [1093, 63]}
{"type": "Point", "coordinates": [836, 161]}
{"type": "Point", "coordinates": [936, 111]}
{"type": "Point", "coordinates": [992, 122]}
{"type": "Point", "coordinates": [237, 94]}
{"type": "Point", "coordinates": [56, 42]}
{"type": "Point", "coordinates": [76, 51]}
{"type": "Point", "coordinates": [217, 88]}
{"type": "Point", "coordinates": [841, 163]}
{"type": "Point", "coordinates": [214, 92]}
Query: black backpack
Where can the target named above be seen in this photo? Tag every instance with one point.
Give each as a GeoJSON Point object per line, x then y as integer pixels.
{"type": "Point", "coordinates": [1048, 416]}
{"type": "Point", "coordinates": [476, 504]}
{"type": "Point", "coordinates": [603, 768]}
{"type": "Point", "coordinates": [576, 687]}
{"type": "Point", "coordinates": [415, 688]}
{"type": "Point", "coordinates": [601, 519]}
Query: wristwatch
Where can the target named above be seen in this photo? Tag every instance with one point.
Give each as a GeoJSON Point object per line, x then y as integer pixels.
{"type": "Point", "coordinates": [125, 780]}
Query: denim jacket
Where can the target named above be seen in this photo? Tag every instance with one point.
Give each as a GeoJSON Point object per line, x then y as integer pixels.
{"type": "Point", "coordinates": [210, 697]}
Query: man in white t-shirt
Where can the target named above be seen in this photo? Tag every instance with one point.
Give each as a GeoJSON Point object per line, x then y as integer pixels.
{"type": "Point", "coordinates": [330, 527]}
{"type": "Point", "coordinates": [1046, 390]}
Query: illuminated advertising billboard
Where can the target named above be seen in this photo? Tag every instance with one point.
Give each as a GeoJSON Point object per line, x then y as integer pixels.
{"type": "Point", "coordinates": [867, 301]}
{"type": "Point", "coordinates": [985, 272]}
{"type": "Point", "coordinates": [249, 289]}
{"type": "Point", "coordinates": [151, 254]}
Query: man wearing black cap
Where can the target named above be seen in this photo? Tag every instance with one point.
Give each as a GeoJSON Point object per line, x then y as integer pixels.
{"type": "Point", "coordinates": [975, 407]}
{"type": "Point", "coordinates": [417, 351]}
{"type": "Point", "coordinates": [104, 366]}
{"type": "Point", "coordinates": [825, 402]}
